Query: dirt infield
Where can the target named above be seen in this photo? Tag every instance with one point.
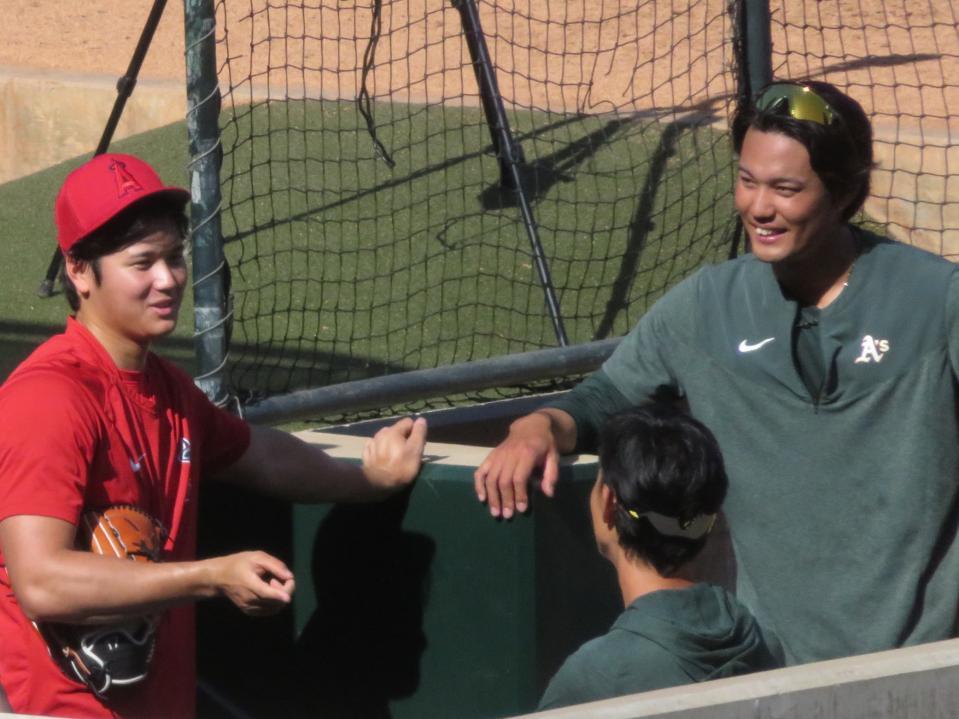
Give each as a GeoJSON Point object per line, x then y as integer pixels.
{"type": "Point", "coordinates": [96, 37]}
{"type": "Point", "coordinates": [896, 44]}
{"type": "Point", "coordinates": [899, 58]}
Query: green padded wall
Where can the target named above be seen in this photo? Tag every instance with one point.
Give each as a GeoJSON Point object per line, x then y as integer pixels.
{"type": "Point", "coordinates": [419, 606]}
{"type": "Point", "coordinates": [424, 606]}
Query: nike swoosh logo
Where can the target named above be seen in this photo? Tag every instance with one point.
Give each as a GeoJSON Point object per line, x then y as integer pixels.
{"type": "Point", "coordinates": [744, 346]}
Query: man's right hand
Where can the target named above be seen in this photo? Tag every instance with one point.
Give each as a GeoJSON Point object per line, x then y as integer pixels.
{"type": "Point", "coordinates": [393, 457]}
{"type": "Point", "coordinates": [502, 481]}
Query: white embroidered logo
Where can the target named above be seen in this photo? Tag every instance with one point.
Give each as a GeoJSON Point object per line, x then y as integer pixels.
{"type": "Point", "coordinates": [873, 350]}
{"type": "Point", "coordinates": [744, 346]}
{"type": "Point", "coordinates": [135, 464]}
{"type": "Point", "coordinates": [184, 455]}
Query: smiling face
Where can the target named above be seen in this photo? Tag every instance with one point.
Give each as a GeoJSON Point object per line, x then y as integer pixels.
{"type": "Point", "coordinates": [137, 298]}
{"type": "Point", "coordinates": [786, 210]}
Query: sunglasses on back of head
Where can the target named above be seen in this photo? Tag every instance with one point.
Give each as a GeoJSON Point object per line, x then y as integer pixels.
{"type": "Point", "coordinates": [801, 102]}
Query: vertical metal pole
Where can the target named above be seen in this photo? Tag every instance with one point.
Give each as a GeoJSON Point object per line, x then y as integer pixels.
{"type": "Point", "coordinates": [125, 87]}
{"type": "Point", "coordinates": [508, 152]}
{"type": "Point", "coordinates": [506, 149]}
{"type": "Point", "coordinates": [757, 39]}
{"type": "Point", "coordinates": [753, 47]}
{"type": "Point", "coordinates": [209, 263]}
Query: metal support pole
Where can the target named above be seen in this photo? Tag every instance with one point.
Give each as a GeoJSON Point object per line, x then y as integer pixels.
{"type": "Point", "coordinates": [757, 39]}
{"type": "Point", "coordinates": [125, 87]}
{"type": "Point", "coordinates": [753, 48]}
{"type": "Point", "coordinates": [508, 152]}
{"type": "Point", "coordinates": [209, 262]}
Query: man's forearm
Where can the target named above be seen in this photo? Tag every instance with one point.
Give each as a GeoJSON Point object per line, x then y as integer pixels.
{"type": "Point", "coordinates": [561, 425]}
{"type": "Point", "coordinates": [588, 405]}
{"type": "Point", "coordinates": [53, 581]}
{"type": "Point", "coordinates": [81, 587]}
{"type": "Point", "coordinates": [285, 467]}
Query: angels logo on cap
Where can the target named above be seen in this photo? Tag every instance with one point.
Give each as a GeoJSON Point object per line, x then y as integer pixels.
{"type": "Point", "coordinates": [126, 183]}
{"type": "Point", "coordinates": [101, 189]}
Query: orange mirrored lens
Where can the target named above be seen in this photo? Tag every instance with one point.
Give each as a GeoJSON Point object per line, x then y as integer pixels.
{"type": "Point", "coordinates": [800, 102]}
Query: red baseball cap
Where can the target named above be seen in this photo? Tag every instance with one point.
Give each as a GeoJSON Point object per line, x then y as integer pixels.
{"type": "Point", "coordinates": [100, 189]}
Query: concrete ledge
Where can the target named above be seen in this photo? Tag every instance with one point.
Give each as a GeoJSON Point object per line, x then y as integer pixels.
{"type": "Point", "coordinates": [47, 117]}
{"type": "Point", "coordinates": [913, 683]}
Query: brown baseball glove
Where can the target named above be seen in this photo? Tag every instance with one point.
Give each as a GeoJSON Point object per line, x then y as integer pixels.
{"type": "Point", "coordinates": [110, 655]}
{"type": "Point", "coordinates": [122, 531]}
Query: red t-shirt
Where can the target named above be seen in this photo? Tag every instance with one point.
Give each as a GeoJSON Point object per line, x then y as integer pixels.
{"type": "Point", "coordinates": [77, 433]}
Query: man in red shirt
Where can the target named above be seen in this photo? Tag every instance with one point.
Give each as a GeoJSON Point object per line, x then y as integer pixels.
{"type": "Point", "coordinates": [94, 419]}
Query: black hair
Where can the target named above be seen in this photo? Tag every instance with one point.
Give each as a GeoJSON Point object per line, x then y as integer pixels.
{"type": "Point", "coordinates": [657, 458]}
{"type": "Point", "coordinates": [840, 153]}
{"type": "Point", "coordinates": [127, 227]}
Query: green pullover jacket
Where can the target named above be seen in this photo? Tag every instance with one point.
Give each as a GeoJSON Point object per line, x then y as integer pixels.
{"type": "Point", "coordinates": [843, 503]}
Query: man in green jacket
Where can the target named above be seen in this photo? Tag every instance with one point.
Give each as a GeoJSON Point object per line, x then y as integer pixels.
{"type": "Point", "coordinates": [653, 505]}
{"type": "Point", "coordinates": [826, 364]}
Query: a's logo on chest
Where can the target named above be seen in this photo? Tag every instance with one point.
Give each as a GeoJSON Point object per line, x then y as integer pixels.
{"type": "Point", "coordinates": [873, 349]}
{"type": "Point", "coordinates": [183, 455]}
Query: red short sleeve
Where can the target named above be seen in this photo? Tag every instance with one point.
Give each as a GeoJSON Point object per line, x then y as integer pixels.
{"type": "Point", "coordinates": [226, 437]}
{"type": "Point", "coordinates": [48, 436]}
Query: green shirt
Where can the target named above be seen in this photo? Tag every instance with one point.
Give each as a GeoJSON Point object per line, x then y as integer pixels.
{"type": "Point", "coordinates": [842, 506]}
{"type": "Point", "coordinates": [664, 639]}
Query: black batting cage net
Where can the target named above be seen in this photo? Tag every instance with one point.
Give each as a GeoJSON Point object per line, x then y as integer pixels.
{"type": "Point", "coordinates": [409, 184]}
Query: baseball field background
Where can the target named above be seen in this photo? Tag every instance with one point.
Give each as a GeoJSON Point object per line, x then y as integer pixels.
{"type": "Point", "coordinates": [579, 61]}
{"type": "Point", "coordinates": [59, 62]}
{"type": "Point", "coordinates": [901, 55]}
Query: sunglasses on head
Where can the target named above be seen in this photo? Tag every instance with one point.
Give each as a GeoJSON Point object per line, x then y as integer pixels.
{"type": "Point", "coordinates": [799, 101]}
{"type": "Point", "coordinates": [695, 528]}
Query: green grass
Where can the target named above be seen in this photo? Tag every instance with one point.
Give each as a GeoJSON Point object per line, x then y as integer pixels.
{"type": "Point", "coordinates": [345, 268]}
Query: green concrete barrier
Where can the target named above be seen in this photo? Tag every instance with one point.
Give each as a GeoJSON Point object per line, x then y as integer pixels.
{"type": "Point", "coordinates": [424, 606]}
{"type": "Point", "coordinates": [420, 606]}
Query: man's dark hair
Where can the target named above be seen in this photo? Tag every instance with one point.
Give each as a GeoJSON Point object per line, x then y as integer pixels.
{"type": "Point", "coordinates": [657, 458]}
{"type": "Point", "coordinates": [126, 228]}
{"type": "Point", "coordinates": [840, 153]}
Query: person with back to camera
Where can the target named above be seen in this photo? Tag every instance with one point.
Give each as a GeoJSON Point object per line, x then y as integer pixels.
{"type": "Point", "coordinates": [660, 485]}
{"type": "Point", "coordinates": [103, 443]}
{"type": "Point", "coordinates": [825, 362]}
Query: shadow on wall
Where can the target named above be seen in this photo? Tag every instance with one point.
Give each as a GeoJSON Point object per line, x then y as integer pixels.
{"type": "Point", "coordinates": [362, 647]}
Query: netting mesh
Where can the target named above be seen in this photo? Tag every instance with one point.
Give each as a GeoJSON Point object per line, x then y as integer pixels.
{"type": "Point", "coordinates": [900, 59]}
{"type": "Point", "coordinates": [367, 224]}
{"type": "Point", "coordinates": [365, 220]}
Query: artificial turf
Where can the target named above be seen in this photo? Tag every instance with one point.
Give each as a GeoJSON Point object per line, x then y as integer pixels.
{"type": "Point", "coordinates": [344, 267]}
